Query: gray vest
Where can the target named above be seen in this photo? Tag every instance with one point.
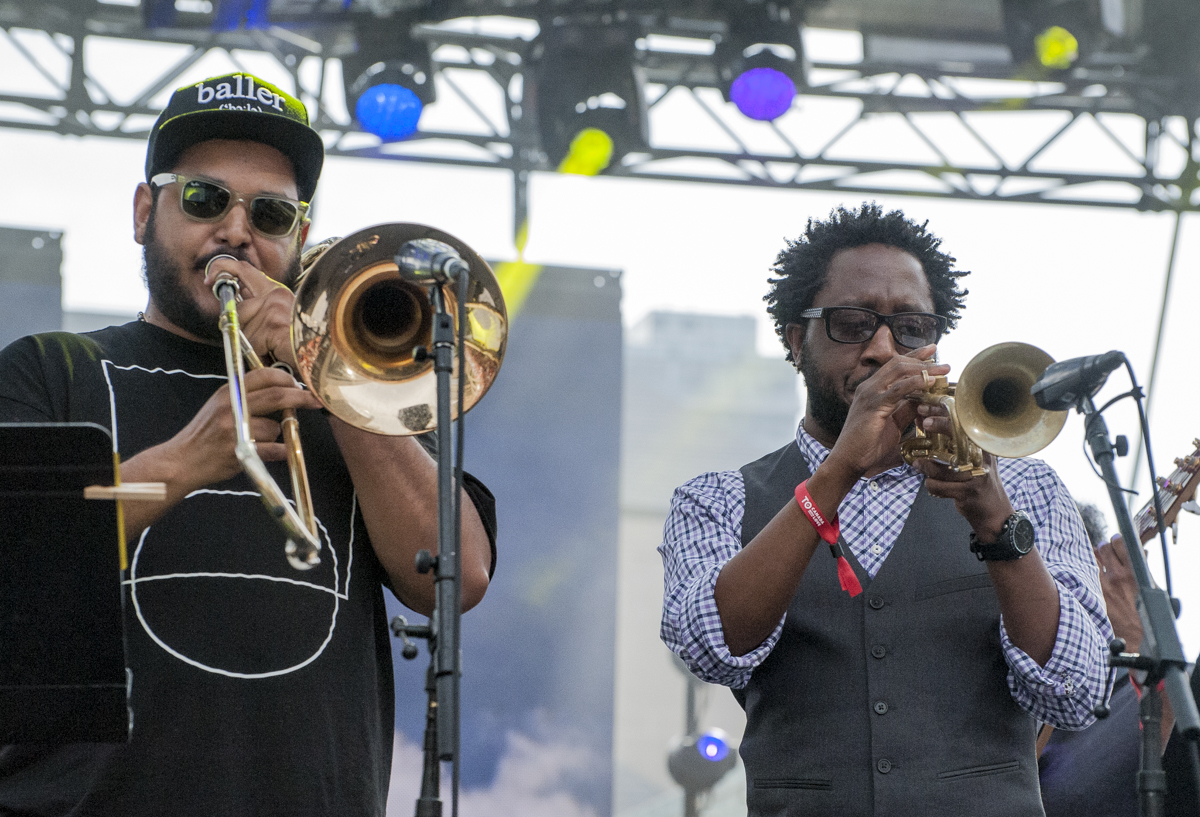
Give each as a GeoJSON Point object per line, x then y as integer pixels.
{"type": "Point", "coordinates": [891, 703]}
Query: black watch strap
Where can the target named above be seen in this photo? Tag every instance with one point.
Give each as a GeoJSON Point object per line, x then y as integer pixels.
{"type": "Point", "coordinates": [1015, 539]}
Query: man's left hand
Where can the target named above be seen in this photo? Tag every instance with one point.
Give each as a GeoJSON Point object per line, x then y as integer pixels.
{"type": "Point", "coordinates": [982, 501]}
{"type": "Point", "coordinates": [1028, 594]}
{"type": "Point", "coordinates": [1120, 592]}
{"type": "Point", "coordinates": [265, 311]}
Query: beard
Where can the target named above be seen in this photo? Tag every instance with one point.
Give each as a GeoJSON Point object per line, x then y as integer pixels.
{"type": "Point", "coordinates": [823, 402]}
{"type": "Point", "coordinates": [164, 277]}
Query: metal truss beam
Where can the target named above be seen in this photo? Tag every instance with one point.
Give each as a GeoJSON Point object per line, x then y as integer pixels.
{"type": "Point", "coordinates": [1104, 139]}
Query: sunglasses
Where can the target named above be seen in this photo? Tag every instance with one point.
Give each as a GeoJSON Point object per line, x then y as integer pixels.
{"type": "Point", "coordinates": [201, 200]}
{"type": "Point", "coordinates": [853, 324]}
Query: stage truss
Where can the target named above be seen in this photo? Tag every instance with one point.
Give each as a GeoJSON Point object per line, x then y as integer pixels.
{"type": "Point", "coordinates": [950, 130]}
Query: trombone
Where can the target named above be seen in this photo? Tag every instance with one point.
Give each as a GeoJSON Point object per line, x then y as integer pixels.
{"type": "Point", "coordinates": [361, 333]}
{"type": "Point", "coordinates": [991, 410]}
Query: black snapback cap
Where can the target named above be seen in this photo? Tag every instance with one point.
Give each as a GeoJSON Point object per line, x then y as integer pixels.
{"type": "Point", "coordinates": [237, 106]}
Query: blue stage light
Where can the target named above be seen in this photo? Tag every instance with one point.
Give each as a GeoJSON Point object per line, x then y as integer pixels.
{"type": "Point", "coordinates": [389, 111]}
{"type": "Point", "coordinates": [697, 762]}
{"type": "Point", "coordinates": [712, 747]}
{"type": "Point", "coordinates": [763, 93]}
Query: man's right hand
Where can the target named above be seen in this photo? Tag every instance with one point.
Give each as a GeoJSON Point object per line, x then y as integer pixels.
{"type": "Point", "coordinates": [880, 412]}
{"type": "Point", "coordinates": [202, 453]}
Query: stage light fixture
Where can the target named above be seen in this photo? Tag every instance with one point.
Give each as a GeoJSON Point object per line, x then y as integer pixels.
{"type": "Point", "coordinates": [1056, 48]}
{"type": "Point", "coordinates": [697, 762]}
{"type": "Point", "coordinates": [760, 62]}
{"type": "Point", "coordinates": [1055, 34]}
{"type": "Point", "coordinates": [763, 90]}
{"type": "Point", "coordinates": [388, 82]}
{"type": "Point", "coordinates": [590, 153]}
{"type": "Point", "coordinates": [587, 96]}
{"type": "Point", "coordinates": [712, 747]}
{"type": "Point", "coordinates": [389, 110]}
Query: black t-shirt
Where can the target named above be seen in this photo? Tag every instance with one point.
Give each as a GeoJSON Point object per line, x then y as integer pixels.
{"type": "Point", "coordinates": [256, 689]}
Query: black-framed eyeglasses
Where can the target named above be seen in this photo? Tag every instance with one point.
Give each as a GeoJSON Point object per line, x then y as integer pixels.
{"type": "Point", "coordinates": [854, 324]}
{"type": "Point", "coordinates": [202, 200]}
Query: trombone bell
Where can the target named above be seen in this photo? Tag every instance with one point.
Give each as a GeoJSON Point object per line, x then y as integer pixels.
{"type": "Point", "coordinates": [358, 319]}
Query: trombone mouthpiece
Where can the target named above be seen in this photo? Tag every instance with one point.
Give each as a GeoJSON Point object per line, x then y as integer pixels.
{"type": "Point", "coordinates": [208, 266]}
{"type": "Point", "coordinates": [223, 278]}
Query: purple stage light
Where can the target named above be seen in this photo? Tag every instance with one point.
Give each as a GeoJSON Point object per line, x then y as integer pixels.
{"type": "Point", "coordinates": [764, 94]}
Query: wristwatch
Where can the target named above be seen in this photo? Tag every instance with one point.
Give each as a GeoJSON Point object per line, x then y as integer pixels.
{"type": "Point", "coordinates": [1014, 541]}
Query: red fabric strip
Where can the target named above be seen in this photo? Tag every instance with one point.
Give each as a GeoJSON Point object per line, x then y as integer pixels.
{"type": "Point", "coordinates": [830, 531]}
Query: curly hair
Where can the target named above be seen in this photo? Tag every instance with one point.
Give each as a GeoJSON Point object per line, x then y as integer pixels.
{"type": "Point", "coordinates": [804, 265]}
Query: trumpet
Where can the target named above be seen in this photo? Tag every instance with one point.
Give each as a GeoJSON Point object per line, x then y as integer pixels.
{"type": "Point", "coordinates": [361, 334]}
{"type": "Point", "coordinates": [990, 409]}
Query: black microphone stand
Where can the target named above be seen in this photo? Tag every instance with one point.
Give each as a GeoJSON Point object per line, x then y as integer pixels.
{"type": "Point", "coordinates": [442, 722]}
{"type": "Point", "coordinates": [447, 565]}
{"type": "Point", "coordinates": [1161, 655]}
{"type": "Point", "coordinates": [428, 802]}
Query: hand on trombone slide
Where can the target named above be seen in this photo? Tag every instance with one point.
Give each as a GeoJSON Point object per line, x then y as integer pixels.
{"type": "Point", "coordinates": [265, 309]}
{"type": "Point", "coordinates": [202, 453]}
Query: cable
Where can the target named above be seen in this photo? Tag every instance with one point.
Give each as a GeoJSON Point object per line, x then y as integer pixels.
{"type": "Point", "coordinates": [1087, 454]}
{"type": "Point", "coordinates": [1154, 492]}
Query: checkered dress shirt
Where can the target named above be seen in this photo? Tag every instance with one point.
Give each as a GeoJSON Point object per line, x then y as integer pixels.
{"type": "Point", "coordinates": [703, 532]}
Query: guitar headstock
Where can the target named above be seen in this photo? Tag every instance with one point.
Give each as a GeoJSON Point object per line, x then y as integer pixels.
{"type": "Point", "coordinates": [1173, 492]}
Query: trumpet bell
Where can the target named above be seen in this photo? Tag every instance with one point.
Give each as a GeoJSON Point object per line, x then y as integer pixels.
{"type": "Point", "coordinates": [994, 405]}
{"type": "Point", "coordinates": [358, 319]}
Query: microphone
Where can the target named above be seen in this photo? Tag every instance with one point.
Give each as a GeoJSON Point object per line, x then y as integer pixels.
{"type": "Point", "coordinates": [1064, 384]}
{"type": "Point", "coordinates": [424, 258]}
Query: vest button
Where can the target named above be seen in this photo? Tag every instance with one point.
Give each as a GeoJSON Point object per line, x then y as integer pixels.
{"type": "Point", "coordinates": [883, 765]}
{"type": "Point", "coordinates": [881, 708]}
{"type": "Point", "coordinates": [878, 651]}
{"type": "Point", "coordinates": [875, 602]}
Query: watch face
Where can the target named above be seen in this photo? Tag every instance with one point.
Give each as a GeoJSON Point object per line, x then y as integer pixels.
{"type": "Point", "coordinates": [1022, 534]}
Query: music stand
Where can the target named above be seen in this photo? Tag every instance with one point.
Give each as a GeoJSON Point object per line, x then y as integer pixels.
{"type": "Point", "coordinates": [62, 647]}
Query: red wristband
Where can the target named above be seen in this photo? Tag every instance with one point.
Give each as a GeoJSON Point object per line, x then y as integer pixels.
{"type": "Point", "coordinates": [830, 531]}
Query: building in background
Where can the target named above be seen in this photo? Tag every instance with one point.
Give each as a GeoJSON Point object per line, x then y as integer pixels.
{"type": "Point", "coordinates": [697, 397]}
{"type": "Point", "coordinates": [31, 288]}
{"type": "Point", "coordinates": [30, 282]}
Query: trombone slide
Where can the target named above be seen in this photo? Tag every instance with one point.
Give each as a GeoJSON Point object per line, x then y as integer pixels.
{"type": "Point", "coordinates": [303, 547]}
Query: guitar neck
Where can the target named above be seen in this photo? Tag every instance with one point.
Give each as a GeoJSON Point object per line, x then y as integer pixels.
{"type": "Point", "coordinates": [1172, 492]}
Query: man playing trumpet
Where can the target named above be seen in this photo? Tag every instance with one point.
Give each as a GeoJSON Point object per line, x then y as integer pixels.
{"type": "Point", "coordinates": [255, 689]}
{"type": "Point", "coordinates": [979, 600]}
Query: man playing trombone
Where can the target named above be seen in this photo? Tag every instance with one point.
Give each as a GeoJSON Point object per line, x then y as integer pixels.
{"type": "Point", "coordinates": [255, 688]}
{"type": "Point", "coordinates": [899, 676]}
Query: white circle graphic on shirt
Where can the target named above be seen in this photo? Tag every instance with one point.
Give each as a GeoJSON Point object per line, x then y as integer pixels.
{"type": "Point", "coordinates": [230, 607]}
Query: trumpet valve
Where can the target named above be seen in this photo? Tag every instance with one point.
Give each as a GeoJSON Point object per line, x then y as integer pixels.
{"type": "Point", "coordinates": [937, 385]}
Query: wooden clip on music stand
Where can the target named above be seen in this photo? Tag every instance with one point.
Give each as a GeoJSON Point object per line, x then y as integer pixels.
{"type": "Point", "coordinates": [62, 650]}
